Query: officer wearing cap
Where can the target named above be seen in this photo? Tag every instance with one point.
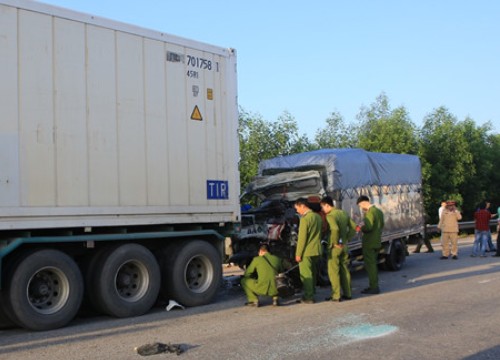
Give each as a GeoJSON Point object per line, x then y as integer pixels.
{"type": "Point", "coordinates": [448, 225]}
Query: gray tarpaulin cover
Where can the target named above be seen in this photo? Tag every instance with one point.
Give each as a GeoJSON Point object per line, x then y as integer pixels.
{"type": "Point", "coordinates": [350, 168]}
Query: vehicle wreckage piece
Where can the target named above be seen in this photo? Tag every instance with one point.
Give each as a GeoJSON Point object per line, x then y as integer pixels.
{"type": "Point", "coordinates": [158, 348]}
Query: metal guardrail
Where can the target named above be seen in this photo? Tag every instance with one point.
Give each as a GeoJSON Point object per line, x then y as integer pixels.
{"type": "Point", "coordinates": [464, 225]}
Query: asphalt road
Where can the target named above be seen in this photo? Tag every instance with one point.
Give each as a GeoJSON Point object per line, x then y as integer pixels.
{"type": "Point", "coordinates": [432, 309]}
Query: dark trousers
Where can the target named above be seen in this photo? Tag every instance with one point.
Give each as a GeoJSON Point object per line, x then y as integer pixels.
{"type": "Point", "coordinates": [425, 241]}
{"type": "Point", "coordinates": [370, 257]}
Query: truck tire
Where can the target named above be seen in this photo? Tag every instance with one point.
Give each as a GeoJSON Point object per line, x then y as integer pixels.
{"type": "Point", "coordinates": [125, 281]}
{"type": "Point", "coordinates": [164, 255]}
{"type": "Point", "coordinates": [396, 258]}
{"type": "Point", "coordinates": [89, 267]}
{"type": "Point", "coordinates": [44, 291]}
{"type": "Point", "coordinates": [192, 273]}
{"type": "Point", "coordinates": [5, 322]}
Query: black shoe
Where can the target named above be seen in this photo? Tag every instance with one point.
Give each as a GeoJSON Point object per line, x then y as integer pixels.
{"type": "Point", "coordinates": [416, 252]}
{"type": "Point", "coordinates": [252, 303]}
{"type": "Point", "coordinates": [305, 301]}
{"type": "Point", "coordinates": [346, 298]}
{"type": "Point", "coordinates": [370, 291]}
{"type": "Point", "coordinates": [454, 257]}
{"type": "Point", "coordinates": [429, 251]}
{"type": "Point", "coordinates": [444, 257]}
{"type": "Point", "coordinates": [332, 299]}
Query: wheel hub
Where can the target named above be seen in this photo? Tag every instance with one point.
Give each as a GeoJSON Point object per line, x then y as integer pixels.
{"type": "Point", "coordinates": [40, 288]}
{"type": "Point", "coordinates": [48, 290]}
{"type": "Point", "coordinates": [198, 272]}
{"type": "Point", "coordinates": [132, 281]}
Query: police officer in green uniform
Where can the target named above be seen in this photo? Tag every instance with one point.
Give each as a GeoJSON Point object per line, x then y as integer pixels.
{"type": "Point", "coordinates": [308, 248]}
{"type": "Point", "coordinates": [342, 229]}
{"type": "Point", "coordinates": [372, 226]}
{"type": "Point", "coordinates": [259, 277]}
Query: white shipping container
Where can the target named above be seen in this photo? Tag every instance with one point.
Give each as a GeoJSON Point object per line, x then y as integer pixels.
{"type": "Point", "coordinates": [103, 123]}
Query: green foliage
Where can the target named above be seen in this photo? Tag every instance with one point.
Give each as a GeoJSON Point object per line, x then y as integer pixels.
{"type": "Point", "coordinates": [384, 130]}
{"type": "Point", "coordinates": [260, 139]}
{"type": "Point", "coordinates": [493, 186]}
{"type": "Point", "coordinates": [252, 132]}
{"type": "Point", "coordinates": [444, 149]}
{"type": "Point", "coordinates": [476, 186]}
{"type": "Point", "coordinates": [336, 134]}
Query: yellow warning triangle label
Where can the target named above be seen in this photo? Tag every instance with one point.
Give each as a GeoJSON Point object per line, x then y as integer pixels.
{"type": "Point", "coordinates": [196, 115]}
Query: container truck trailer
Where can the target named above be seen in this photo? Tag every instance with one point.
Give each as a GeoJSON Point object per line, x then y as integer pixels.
{"type": "Point", "coordinates": [118, 165]}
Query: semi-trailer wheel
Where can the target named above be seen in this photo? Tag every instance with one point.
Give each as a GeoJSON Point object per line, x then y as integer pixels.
{"type": "Point", "coordinates": [397, 256]}
{"type": "Point", "coordinates": [44, 291]}
{"type": "Point", "coordinates": [125, 281]}
{"type": "Point", "coordinates": [89, 267]}
{"type": "Point", "coordinates": [192, 273]}
{"type": "Point", "coordinates": [5, 322]}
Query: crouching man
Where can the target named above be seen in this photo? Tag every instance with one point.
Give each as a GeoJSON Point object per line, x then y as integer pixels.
{"type": "Point", "coordinates": [259, 277]}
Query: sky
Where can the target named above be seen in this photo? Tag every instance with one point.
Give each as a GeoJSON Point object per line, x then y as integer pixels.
{"type": "Point", "coordinates": [312, 58]}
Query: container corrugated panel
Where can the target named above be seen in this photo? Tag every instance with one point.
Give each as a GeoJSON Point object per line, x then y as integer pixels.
{"type": "Point", "coordinates": [104, 123]}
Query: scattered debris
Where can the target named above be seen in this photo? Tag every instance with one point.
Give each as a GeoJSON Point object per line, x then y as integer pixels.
{"type": "Point", "coordinates": [172, 304]}
{"type": "Point", "coordinates": [158, 348]}
{"type": "Point", "coordinates": [366, 331]}
{"type": "Point", "coordinates": [231, 281]}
